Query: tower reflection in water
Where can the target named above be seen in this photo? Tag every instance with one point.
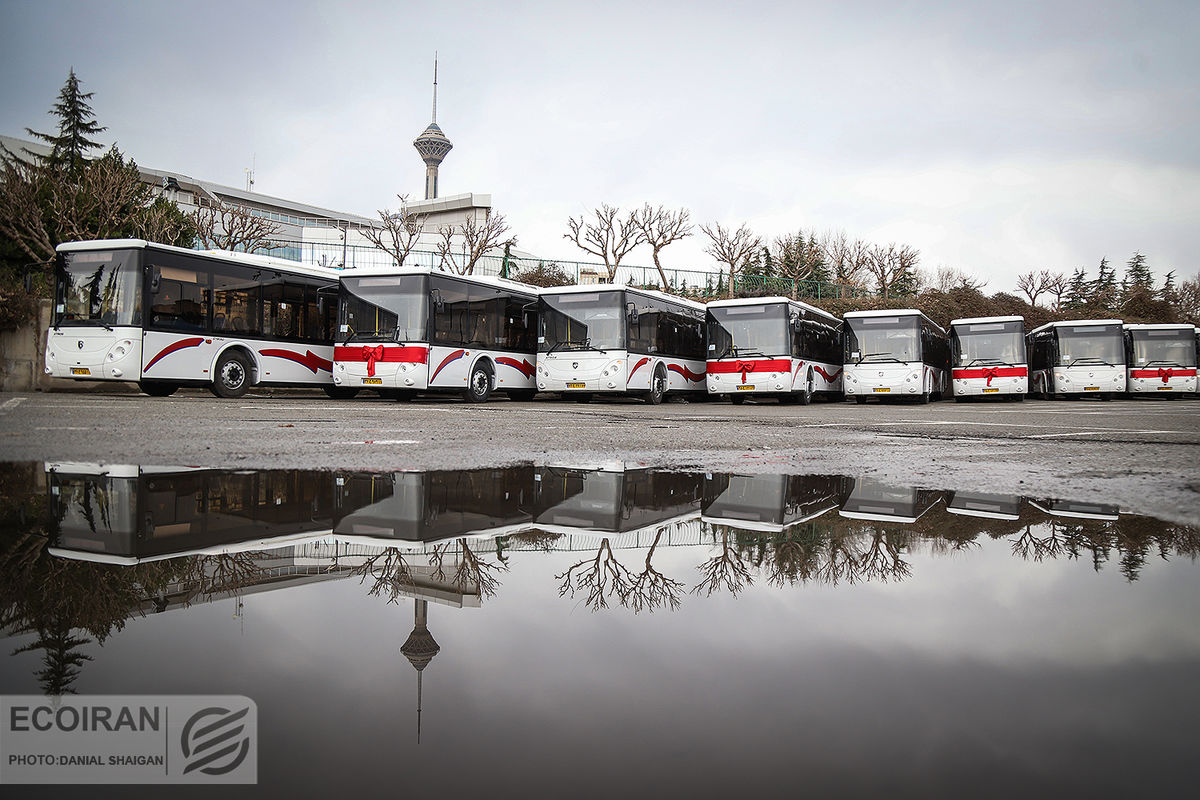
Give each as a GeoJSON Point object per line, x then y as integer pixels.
{"type": "Point", "coordinates": [88, 546]}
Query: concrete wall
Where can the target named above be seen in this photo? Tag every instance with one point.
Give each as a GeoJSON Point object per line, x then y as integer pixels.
{"type": "Point", "coordinates": [23, 356]}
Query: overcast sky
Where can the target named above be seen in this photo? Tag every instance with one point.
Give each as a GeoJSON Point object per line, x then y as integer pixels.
{"type": "Point", "coordinates": [994, 137]}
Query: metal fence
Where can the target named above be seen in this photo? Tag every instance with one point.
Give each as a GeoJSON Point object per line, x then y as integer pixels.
{"type": "Point", "coordinates": [698, 284]}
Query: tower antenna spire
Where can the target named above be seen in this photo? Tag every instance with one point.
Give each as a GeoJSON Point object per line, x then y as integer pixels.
{"type": "Point", "coordinates": [435, 86]}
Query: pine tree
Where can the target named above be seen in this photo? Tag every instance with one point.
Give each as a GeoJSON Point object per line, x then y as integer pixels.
{"type": "Point", "coordinates": [1104, 290]}
{"type": "Point", "coordinates": [1167, 292]}
{"type": "Point", "coordinates": [76, 124]}
{"type": "Point", "coordinates": [1078, 290]}
{"type": "Point", "coordinates": [1137, 273]}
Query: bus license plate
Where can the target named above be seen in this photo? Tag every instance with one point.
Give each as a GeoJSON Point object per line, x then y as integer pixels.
{"type": "Point", "coordinates": [576, 385]}
{"type": "Point", "coordinates": [1164, 388]}
{"type": "Point", "coordinates": [989, 391]}
{"type": "Point", "coordinates": [80, 371]}
{"type": "Point", "coordinates": [373, 381]}
{"type": "Point", "coordinates": [746, 388]}
{"type": "Point", "coordinates": [1091, 388]}
{"type": "Point", "coordinates": [884, 389]}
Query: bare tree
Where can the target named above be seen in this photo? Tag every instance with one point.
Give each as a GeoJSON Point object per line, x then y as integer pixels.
{"type": "Point", "coordinates": [226, 226]}
{"type": "Point", "coordinates": [389, 573]}
{"type": "Point", "coordinates": [470, 571]}
{"type": "Point", "coordinates": [600, 576]}
{"type": "Point", "coordinates": [946, 278]}
{"type": "Point", "coordinates": [650, 589]}
{"type": "Point", "coordinates": [731, 248]}
{"type": "Point", "coordinates": [399, 233]}
{"type": "Point", "coordinates": [1057, 288]}
{"type": "Point", "coordinates": [477, 239]}
{"type": "Point", "coordinates": [610, 236]}
{"type": "Point", "coordinates": [726, 570]}
{"type": "Point", "coordinates": [891, 266]}
{"type": "Point", "coordinates": [660, 228]}
{"type": "Point", "coordinates": [1034, 284]}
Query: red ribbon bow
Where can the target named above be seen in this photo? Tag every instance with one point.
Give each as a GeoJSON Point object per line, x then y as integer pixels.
{"type": "Point", "coordinates": [990, 373]}
{"type": "Point", "coordinates": [371, 355]}
{"type": "Point", "coordinates": [1165, 374]}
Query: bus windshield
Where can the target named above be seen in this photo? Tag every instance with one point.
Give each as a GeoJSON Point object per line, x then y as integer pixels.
{"type": "Point", "coordinates": [384, 308]}
{"type": "Point", "coordinates": [100, 287]}
{"type": "Point", "coordinates": [753, 330]}
{"type": "Point", "coordinates": [1089, 344]}
{"type": "Point", "coordinates": [988, 343]}
{"type": "Point", "coordinates": [1163, 348]}
{"type": "Point", "coordinates": [883, 339]}
{"type": "Point", "coordinates": [582, 321]}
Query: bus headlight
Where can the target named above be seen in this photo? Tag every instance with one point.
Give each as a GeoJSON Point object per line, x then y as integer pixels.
{"type": "Point", "coordinates": [120, 350]}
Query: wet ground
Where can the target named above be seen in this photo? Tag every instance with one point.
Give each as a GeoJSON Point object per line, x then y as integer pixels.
{"type": "Point", "coordinates": [1140, 454]}
{"type": "Point", "coordinates": [508, 632]}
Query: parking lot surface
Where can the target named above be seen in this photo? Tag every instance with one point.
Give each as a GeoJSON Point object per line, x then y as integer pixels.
{"type": "Point", "coordinates": [1143, 454]}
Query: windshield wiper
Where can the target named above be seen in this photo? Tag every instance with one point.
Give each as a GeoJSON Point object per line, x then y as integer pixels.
{"type": "Point", "coordinates": [1091, 358]}
{"type": "Point", "coordinates": [887, 357]}
{"type": "Point", "coordinates": [1167, 363]}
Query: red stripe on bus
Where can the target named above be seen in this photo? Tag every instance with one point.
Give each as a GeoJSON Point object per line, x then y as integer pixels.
{"type": "Point", "coordinates": [638, 366]}
{"type": "Point", "coordinates": [182, 344]}
{"type": "Point", "coordinates": [769, 365]}
{"type": "Point", "coordinates": [310, 359]}
{"type": "Point", "coordinates": [826, 375]}
{"type": "Point", "coordinates": [523, 366]}
{"type": "Point", "coordinates": [457, 354]}
{"type": "Point", "coordinates": [989, 373]}
{"type": "Point", "coordinates": [409, 355]}
{"type": "Point", "coordinates": [694, 377]}
{"type": "Point", "coordinates": [1166, 373]}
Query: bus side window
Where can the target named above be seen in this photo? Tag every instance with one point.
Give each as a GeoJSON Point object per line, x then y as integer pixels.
{"type": "Point", "coordinates": [181, 302]}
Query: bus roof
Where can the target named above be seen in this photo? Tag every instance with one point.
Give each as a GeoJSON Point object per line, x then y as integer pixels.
{"type": "Point", "coordinates": [755, 301]}
{"type": "Point", "coordinates": [612, 287]}
{"type": "Point", "coordinates": [281, 264]}
{"type": "Point", "coordinates": [1063, 322]}
{"type": "Point", "coordinates": [1159, 326]}
{"type": "Point", "coordinates": [984, 320]}
{"type": "Point", "coordinates": [480, 280]}
{"type": "Point", "coordinates": [893, 312]}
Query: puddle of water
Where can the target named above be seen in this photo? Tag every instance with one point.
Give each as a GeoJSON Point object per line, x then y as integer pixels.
{"type": "Point", "coordinates": [635, 627]}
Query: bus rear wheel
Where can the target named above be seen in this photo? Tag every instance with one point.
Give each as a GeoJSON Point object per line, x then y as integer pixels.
{"type": "Point", "coordinates": [232, 379]}
{"type": "Point", "coordinates": [158, 388]}
{"type": "Point", "coordinates": [479, 384]}
{"type": "Point", "coordinates": [806, 397]}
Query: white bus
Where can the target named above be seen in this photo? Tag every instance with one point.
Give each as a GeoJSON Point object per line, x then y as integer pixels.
{"type": "Point", "coordinates": [772, 346]}
{"type": "Point", "coordinates": [1161, 358]}
{"type": "Point", "coordinates": [1077, 358]}
{"type": "Point", "coordinates": [894, 354]}
{"type": "Point", "coordinates": [769, 503]}
{"type": "Point", "coordinates": [165, 317]}
{"type": "Point", "coordinates": [619, 340]}
{"type": "Point", "coordinates": [413, 330]}
{"type": "Point", "coordinates": [874, 501]}
{"type": "Point", "coordinates": [987, 356]}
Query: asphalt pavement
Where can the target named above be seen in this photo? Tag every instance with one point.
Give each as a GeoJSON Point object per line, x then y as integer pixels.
{"type": "Point", "coordinates": [1142, 454]}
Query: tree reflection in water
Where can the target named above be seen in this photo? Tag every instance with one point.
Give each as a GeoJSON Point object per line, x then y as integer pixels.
{"type": "Point", "coordinates": [726, 571]}
{"type": "Point", "coordinates": [470, 571]}
{"type": "Point", "coordinates": [650, 589]}
{"type": "Point", "coordinates": [599, 576]}
{"type": "Point", "coordinates": [389, 572]}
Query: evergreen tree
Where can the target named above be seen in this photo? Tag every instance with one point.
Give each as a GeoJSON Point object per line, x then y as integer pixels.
{"type": "Point", "coordinates": [1104, 290]}
{"type": "Point", "coordinates": [76, 126]}
{"type": "Point", "coordinates": [816, 259]}
{"type": "Point", "coordinates": [1168, 290]}
{"type": "Point", "coordinates": [1078, 290]}
{"type": "Point", "coordinates": [1137, 273]}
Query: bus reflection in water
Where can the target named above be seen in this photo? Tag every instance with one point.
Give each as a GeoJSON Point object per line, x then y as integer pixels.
{"type": "Point", "coordinates": [871, 500]}
{"type": "Point", "coordinates": [988, 358]}
{"type": "Point", "coordinates": [770, 503]}
{"type": "Point", "coordinates": [613, 499]}
{"type": "Point", "coordinates": [986, 505]}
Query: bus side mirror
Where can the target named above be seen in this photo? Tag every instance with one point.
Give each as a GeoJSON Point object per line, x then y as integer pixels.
{"type": "Point", "coordinates": [439, 305]}
{"type": "Point", "coordinates": [155, 279]}
{"type": "Point", "coordinates": [633, 313]}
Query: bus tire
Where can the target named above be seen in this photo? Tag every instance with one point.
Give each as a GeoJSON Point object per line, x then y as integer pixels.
{"type": "Point", "coordinates": [340, 392]}
{"type": "Point", "coordinates": [479, 383]}
{"type": "Point", "coordinates": [158, 388]}
{"type": "Point", "coordinates": [521, 395]}
{"type": "Point", "coordinates": [658, 387]}
{"type": "Point", "coordinates": [806, 397]}
{"type": "Point", "coordinates": [583, 397]}
{"type": "Point", "coordinates": [231, 379]}
{"type": "Point", "coordinates": [862, 401]}
{"type": "Point", "coordinates": [737, 399]}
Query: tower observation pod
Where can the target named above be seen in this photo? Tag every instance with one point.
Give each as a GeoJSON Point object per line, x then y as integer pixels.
{"type": "Point", "coordinates": [433, 146]}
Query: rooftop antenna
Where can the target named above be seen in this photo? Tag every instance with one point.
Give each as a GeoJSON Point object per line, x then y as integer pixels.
{"type": "Point", "coordinates": [250, 173]}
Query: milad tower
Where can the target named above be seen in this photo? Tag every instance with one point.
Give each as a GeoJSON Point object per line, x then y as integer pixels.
{"type": "Point", "coordinates": [433, 146]}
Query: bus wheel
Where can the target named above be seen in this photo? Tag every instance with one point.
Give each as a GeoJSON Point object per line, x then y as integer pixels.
{"type": "Point", "coordinates": [658, 387]}
{"type": "Point", "coordinates": [479, 384]}
{"type": "Point", "coordinates": [862, 401]}
{"type": "Point", "coordinates": [158, 388]}
{"type": "Point", "coordinates": [806, 397]}
{"type": "Point", "coordinates": [737, 399]}
{"type": "Point", "coordinates": [232, 375]}
{"type": "Point", "coordinates": [341, 392]}
{"type": "Point", "coordinates": [923, 399]}
{"type": "Point", "coordinates": [521, 395]}
{"type": "Point", "coordinates": [583, 397]}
